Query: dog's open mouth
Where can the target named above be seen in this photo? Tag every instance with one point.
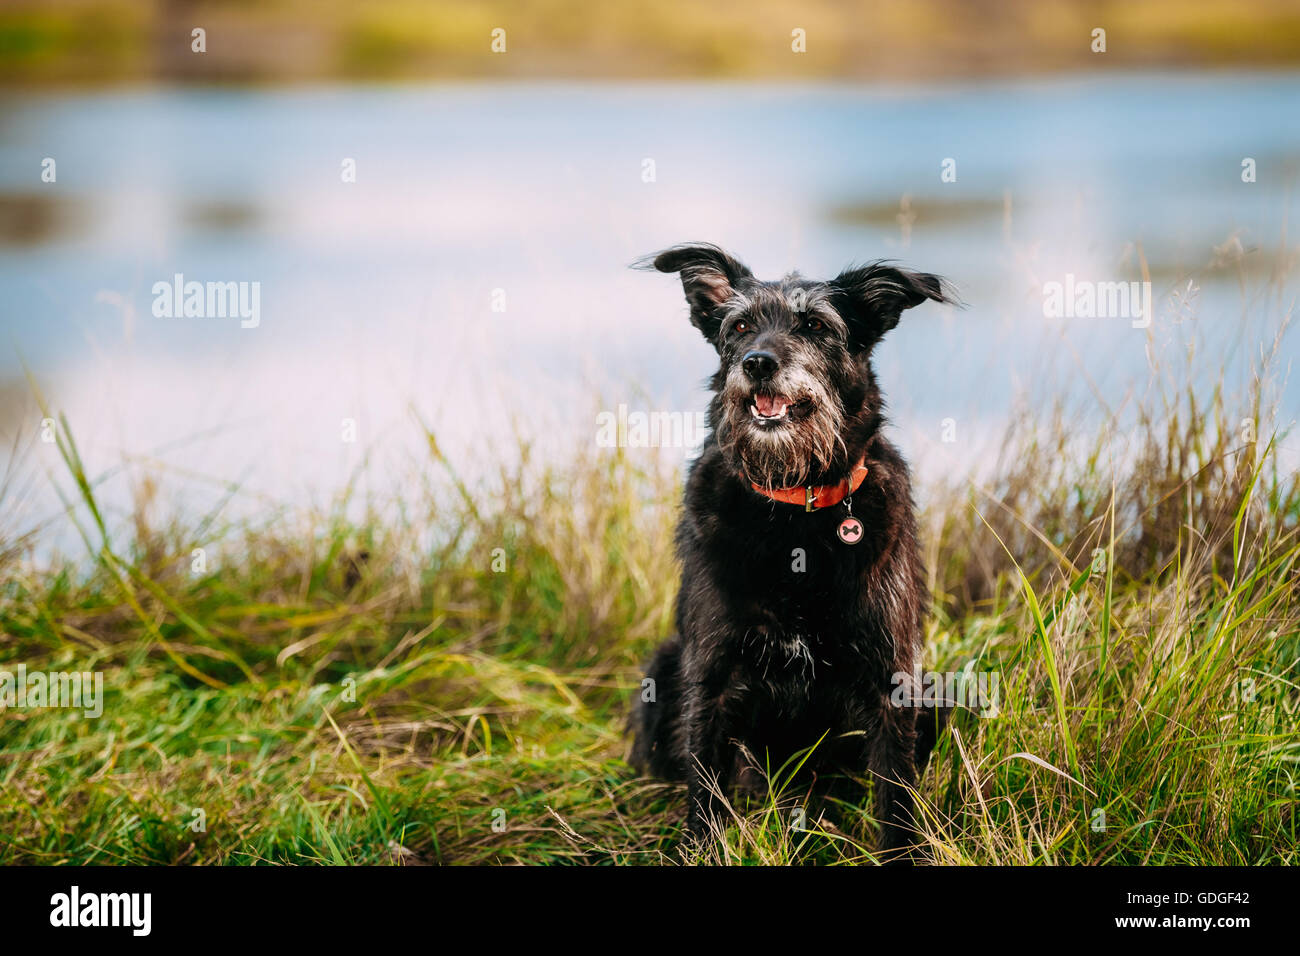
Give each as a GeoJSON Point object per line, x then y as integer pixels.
{"type": "Point", "coordinates": [769, 409]}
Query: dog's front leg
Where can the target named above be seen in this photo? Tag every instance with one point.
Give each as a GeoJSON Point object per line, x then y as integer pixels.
{"type": "Point", "coordinates": [709, 744]}
{"type": "Point", "coordinates": [893, 762]}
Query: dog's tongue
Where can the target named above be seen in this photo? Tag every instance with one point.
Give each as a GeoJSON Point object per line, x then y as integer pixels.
{"type": "Point", "coordinates": [767, 404]}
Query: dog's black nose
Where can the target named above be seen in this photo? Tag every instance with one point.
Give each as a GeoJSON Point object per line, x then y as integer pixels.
{"type": "Point", "coordinates": [759, 365]}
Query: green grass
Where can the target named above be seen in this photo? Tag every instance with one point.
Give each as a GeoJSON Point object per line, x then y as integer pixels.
{"type": "Point", "coordinates": [450, 686]}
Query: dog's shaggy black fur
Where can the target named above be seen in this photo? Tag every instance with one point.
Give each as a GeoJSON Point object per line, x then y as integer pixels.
{"type": "Point", "coordinates": [785, 632]}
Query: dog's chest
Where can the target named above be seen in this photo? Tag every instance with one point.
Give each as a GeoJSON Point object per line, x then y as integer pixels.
{"type": "Point", "coordinates": [796, 600]}
{"type": "Point", "coordinates": [791, 662]}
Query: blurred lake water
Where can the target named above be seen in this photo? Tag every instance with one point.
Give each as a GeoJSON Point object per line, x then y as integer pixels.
{"type": "Point", "coordinates": [475, 273]}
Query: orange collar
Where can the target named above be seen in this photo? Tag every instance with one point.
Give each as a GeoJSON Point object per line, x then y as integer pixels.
{"type": "Point", "coordinates": [817, 496]}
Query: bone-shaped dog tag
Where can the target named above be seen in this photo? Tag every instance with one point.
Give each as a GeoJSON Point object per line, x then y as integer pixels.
{"type": "Point", "coordinates": [850, 530]}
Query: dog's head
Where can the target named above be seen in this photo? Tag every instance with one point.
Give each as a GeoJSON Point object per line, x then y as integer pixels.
{"type": "Point", "coordinates": [795, 393]}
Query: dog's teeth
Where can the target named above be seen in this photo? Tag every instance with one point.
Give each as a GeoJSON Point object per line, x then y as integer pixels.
{"type": "Point", "coordinates": [777, 414]}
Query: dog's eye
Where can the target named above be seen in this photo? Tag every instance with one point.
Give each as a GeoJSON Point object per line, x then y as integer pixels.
{"type": "Point", "coordinates": [814, 325]}
{"type": "Point", "coordinates": [740, 326]}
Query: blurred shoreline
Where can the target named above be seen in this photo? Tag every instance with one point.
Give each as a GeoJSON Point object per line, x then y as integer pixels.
{"type": "Point", "coordinates": [111, 42]}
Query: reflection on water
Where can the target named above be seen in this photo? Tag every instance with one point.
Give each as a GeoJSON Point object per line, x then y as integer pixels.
{"type": "Point", "coordinates": [222, 215]}
{"type": "Point", "coordinates": [34, 218]}
{"type": "Point", "coordinates": [474, 275]}
{"type": "Point", "coordinates": [928, 211]}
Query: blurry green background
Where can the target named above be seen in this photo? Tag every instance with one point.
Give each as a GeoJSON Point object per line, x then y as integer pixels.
{"type": "Point", "coordinates": [92, 41]}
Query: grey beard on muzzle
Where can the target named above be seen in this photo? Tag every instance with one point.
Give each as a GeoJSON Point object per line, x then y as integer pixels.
{"type": "Point", "coordinates": [788, 454]}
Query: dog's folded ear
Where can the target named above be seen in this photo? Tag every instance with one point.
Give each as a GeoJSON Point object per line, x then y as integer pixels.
{"type": "Point", "coordinates": [709, 278]}
{"type": "Point", "coordinates": [872, 298]}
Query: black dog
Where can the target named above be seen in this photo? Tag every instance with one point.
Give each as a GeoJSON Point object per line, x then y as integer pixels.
{"type": "Point", "coordinates": [802, 588]}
